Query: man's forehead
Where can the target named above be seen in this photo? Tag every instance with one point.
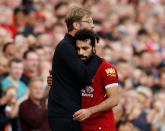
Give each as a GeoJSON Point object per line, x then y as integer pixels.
{"type": "Point", "coordinates": [10, 47]}
{"type": "Point", "coordinates": [32, 55]}
{"type": "Point", "coordinates": [87, 41]}
{"type": "Point", "coordinates": [86, 17]}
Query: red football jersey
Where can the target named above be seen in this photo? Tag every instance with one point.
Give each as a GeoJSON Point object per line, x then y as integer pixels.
{"type": "Point", "coordinates": [105, 77]}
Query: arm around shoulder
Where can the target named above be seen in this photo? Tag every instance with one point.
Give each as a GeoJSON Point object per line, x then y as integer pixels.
{"type": "Point", "coordinates": [80, 72]}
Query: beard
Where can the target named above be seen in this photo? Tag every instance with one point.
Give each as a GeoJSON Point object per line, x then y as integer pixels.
{"type": "Point", "coordinates": [87, 58]}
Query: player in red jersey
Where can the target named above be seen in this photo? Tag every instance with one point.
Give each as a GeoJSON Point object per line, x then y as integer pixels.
{"type": "Point", "coordinates": [101, 96]}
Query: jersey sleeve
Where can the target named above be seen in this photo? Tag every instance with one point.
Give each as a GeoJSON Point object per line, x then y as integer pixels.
{"type": "Point", "coordinates": [110, 76]}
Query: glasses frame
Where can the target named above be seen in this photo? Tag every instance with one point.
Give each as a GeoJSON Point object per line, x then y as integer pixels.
{"type": "Point", "coordinates": [90, 21]}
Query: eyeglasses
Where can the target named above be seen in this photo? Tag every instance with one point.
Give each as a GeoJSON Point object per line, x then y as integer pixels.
{"type": "Point", "coordinates": [90, 21]}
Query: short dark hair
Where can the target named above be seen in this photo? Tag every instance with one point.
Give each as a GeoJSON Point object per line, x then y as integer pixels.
{"type": "Point", "coordinates": [86, 34]}
{"type": "Point", "coordinates": [27, 52]}
{"type": "Point", "coordinates": [39, 47]}
{"type": "Point", "coordinates": [14, 60]}
{"type": "Point", "coordinates": [19, 9]}
{"type": "Point", "coordinates": [97, 38]}
{"type": "Point", "coordinates": [6, 45]}
{"type": "Point", "coordinates": [142, 31]}
{"type": "Point", "coordinates": [60, 4]}
{"type": "Point", "coordinates": [143, 52]}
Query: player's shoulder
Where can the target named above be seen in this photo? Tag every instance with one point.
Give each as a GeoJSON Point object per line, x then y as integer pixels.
{"type": "Point", "coordinates": [106, 64]}
{"type": "Point", "coordinates": [108, 69]}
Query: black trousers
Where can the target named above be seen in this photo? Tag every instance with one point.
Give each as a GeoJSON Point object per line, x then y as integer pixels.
{"type": "Point", "coordinates": [64, 124]}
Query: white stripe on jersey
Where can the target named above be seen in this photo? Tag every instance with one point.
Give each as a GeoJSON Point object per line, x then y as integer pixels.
{"type": "Point", "coordinates": [111, 85]}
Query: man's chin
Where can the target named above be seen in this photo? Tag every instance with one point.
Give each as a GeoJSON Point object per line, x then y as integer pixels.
{"type": "Point", "coordinates": [83, 59]}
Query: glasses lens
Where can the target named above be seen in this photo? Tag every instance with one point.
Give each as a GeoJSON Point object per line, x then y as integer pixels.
{"type": "Point", "coordinates": [90, 21]}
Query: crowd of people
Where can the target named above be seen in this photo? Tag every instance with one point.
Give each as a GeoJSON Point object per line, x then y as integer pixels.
{"type": "Point", "coordinates": [132, 38]}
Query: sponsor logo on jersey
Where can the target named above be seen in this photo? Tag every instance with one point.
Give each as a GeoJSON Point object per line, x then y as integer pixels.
{"type": "Point", "coordinates": [88, 95]}
{"type": "Point", "coordinates": [110, 72]}
{"type": "Point", "coordinates": [87, 91]}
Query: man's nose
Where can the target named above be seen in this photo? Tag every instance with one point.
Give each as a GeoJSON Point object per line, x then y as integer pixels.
{"type": "Point", "coordinates": [92, 26]}
{"type": "Point", "coordinates": [81, 52]}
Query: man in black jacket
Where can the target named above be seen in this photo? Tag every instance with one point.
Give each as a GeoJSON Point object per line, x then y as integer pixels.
{"type": "Point", "coordinates": [69, 74]}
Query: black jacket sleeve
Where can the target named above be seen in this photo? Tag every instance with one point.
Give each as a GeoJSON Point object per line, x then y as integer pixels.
{"type": "Point", "coordinates": [80, 71]}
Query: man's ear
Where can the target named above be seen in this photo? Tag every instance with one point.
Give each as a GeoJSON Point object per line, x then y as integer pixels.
{"type": "Point", "coordinates": [94, 50]}
{"type": "Point", "coordinates": [76, 25]}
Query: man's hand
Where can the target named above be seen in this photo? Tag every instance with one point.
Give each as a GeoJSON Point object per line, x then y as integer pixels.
{"type": "Point", "coordinates": [49, 78]}
{"type": "Point", "coordinates": [5, 99]}
{"type": "Point", "coordinates": [82, 114]}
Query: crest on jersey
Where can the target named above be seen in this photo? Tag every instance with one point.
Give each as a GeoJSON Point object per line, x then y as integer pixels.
{"type": "Point", "coordinates": [89, 89]}
{"type": "Point", "coordinates": [110, 72]}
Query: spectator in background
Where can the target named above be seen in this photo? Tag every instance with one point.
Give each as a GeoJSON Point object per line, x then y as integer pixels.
{"type": "Point", "coordinates": [60, 11]}
{"type": "Point", "coordinates": [30, 21]}
{"type": "Point", "coordinates": [9, 50]}
{"type": "Point", "coordinates": [48, 53]}
{"type": "Point", "coordinates": [3, 70]}
{"type": "Point", "coordinates": [58, 32]}
{"type": "Point", "coordinates": [157, 59]}
{"type": "Point", "coordinates": [41, 53]}
{"type": "Point", "coordinates": [44, 39]}
{"type": "Point", "coordinates": [39, 26]}
{"type": "Point", "coordinates": [162, 80]}
{"type": "Point", "coordinates": [161, 84]}
{"type": "Point", "coordinates": [144, 99]}
{"type": "Point", "coordinates": [157, 113]}
{"type": "Point", "coordinates": [3, 66]}
{"type": "Point", "coordinates": [146, 60]}
{"type": "Point", "coordinates": [9, 107]}
{"type": "Point", "coordinates": [13, 79]}
{"type": "Point", "coordinates": [107, 55]}
{"type": "Point", "coordinates": [31, 60]}
{"type": "Point", "coordinates": [7, 103]}
{"type": "Point", "coordinates": [33, 111]}
{"type": "Point", "coordinates": [5, 37]}
{"type": "Point", "coordinates": [6, 20]}
{"type": "Point", "coordinates": [22, 44]}
{"type": "Point", "coordinates": [19, 18]}
{"type": "Point", "coordinates": [127, 126]}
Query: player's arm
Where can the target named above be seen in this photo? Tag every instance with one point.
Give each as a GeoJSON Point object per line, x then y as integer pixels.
{"type": "Point", "coordinates": [79, 71]}
{"type": "Point", "coordinates": [111, 101]}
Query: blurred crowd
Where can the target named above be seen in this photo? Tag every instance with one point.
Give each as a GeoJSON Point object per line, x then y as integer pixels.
{"type": "Point", "coordinates": [132, 37]}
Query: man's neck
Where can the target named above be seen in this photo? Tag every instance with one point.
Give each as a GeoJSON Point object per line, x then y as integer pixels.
{"type": "Point", "coordinates": [37, 102]}
{"type": "Point", "coordinates": [14, 81]}
{"type": "Point", "coordinates": [12, 78]}
{"type": "Point", "coordinates": [72, 33]}
{"type": "Point", "coordinates": [30, 73]}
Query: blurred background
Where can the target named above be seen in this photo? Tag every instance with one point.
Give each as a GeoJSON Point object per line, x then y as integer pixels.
{"type": "Point", "coordinates": [132, 37]}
